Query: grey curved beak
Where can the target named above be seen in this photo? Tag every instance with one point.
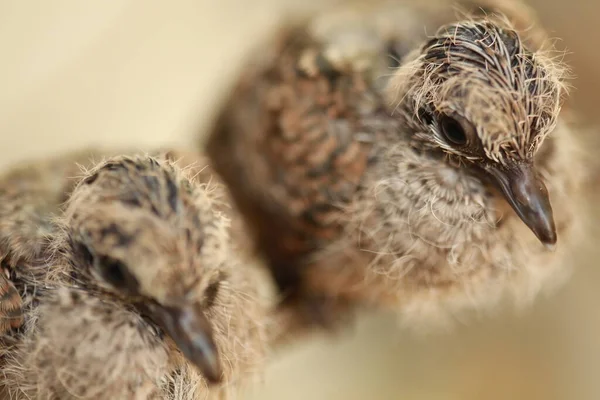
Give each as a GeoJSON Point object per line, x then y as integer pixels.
{"type": "Point", "coordinates": [527, 194]}
{"type": "Point", "coordinates": [192, 333]}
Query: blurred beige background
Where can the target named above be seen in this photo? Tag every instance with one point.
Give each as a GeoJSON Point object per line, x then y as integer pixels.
{"type": "Point", "coordinates": [118, 72]}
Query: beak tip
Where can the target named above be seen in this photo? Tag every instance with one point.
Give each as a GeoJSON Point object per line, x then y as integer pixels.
{"type": "Point", "coordinates": [545, 230]}
{"type": "Point", "coordinates": [192, 334]}
{"type": "Point", "coordinates": [205, 355]}
{"type": "Point", "coordinates": [550, 246]}
{"type": "Point", "coordinates": [213, 374]}
{"type": "Point", "coordinates": [528, 196]}
{"type": "Point", "coordinates": [549, 241]}
{"type": "Point", "coordinates": [210, 367]}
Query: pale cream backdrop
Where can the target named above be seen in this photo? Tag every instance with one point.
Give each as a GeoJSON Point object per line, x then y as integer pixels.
{"type": "Point", "coordinates": [77, 73]}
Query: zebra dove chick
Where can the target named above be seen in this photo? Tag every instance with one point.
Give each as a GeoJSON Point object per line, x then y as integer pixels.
{"type": "Point", "coordinates": [31, 196]}
{"type": "Point", "coordinates": [143, 283]}
{"type": "Point", "coordinates": [430, 197]}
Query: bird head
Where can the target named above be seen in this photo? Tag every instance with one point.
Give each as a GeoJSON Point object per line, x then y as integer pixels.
{"type": "Point", "coordinates": [474, 93]}
{"type": "Point", "coordinates": [139, 231]}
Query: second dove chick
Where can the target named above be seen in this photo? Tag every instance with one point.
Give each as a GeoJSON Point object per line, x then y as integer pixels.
{"type": "Point", "coordinates": [149, 281]}
{"type": "Point", "coordinates": [431, 198]}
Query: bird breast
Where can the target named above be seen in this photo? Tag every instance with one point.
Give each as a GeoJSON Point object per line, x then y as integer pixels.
{"type": "Point", "coordinates": [415, 198]}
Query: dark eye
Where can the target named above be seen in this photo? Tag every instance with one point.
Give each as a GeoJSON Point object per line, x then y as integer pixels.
{"type": "Point", "coordinates": [84, 252]}
{"type": "Point", "coordinates": [116, 273]}
{"type": "Point", "coordinates": [452, 131]}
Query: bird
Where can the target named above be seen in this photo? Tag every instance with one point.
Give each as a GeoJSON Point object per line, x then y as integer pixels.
{"type": "Point", "coordinates": [432, 190]}
{"type": "Point", "coordinates": [31, 196]}
{"type": "Point", "coordinates": [140, 293]}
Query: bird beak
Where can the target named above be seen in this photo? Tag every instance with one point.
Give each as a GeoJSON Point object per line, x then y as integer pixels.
{"type": "Point", "coordinates": [526, 193]}
{"type": "Point", "coordinates": [192, 333]}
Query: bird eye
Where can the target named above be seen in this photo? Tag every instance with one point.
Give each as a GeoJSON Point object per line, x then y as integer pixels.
{"type": "Point", "coordinates": [84, 252]}
{"type": "Point", "coordinates": [452, 130]}
{"type": "Point", "coordinates": [117, 274]}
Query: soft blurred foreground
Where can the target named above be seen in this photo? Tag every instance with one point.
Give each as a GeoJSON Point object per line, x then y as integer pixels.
{"type": "Point", "coordinates": [146, 73]}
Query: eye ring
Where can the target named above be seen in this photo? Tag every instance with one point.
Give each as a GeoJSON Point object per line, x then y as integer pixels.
{"type": "Point", "coordinates": [452, 130]}
{"type": "Point", "coordinates": [116, 273]}
{"type": "Point", "coordinates": [113, 271]}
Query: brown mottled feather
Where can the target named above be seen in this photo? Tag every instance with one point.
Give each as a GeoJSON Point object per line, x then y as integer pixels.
{"type": "Point", "coordinates": [304, 146]}
{"type": "Point", "coordinates": [11, 315]}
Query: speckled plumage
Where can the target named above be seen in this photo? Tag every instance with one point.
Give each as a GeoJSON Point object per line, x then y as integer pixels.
{"type": "Point", "coordinates": [355, 196]}
{"type": "Point", "coordinates": [30, 197]}
{"type": "Point", "coordinates": [137, 234]}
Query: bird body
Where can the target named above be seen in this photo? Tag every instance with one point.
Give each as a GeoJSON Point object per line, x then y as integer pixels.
{"type": "Point", "coordinates": [421, 193]}
{"type": "Point", "coordinates": [140, 294]}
